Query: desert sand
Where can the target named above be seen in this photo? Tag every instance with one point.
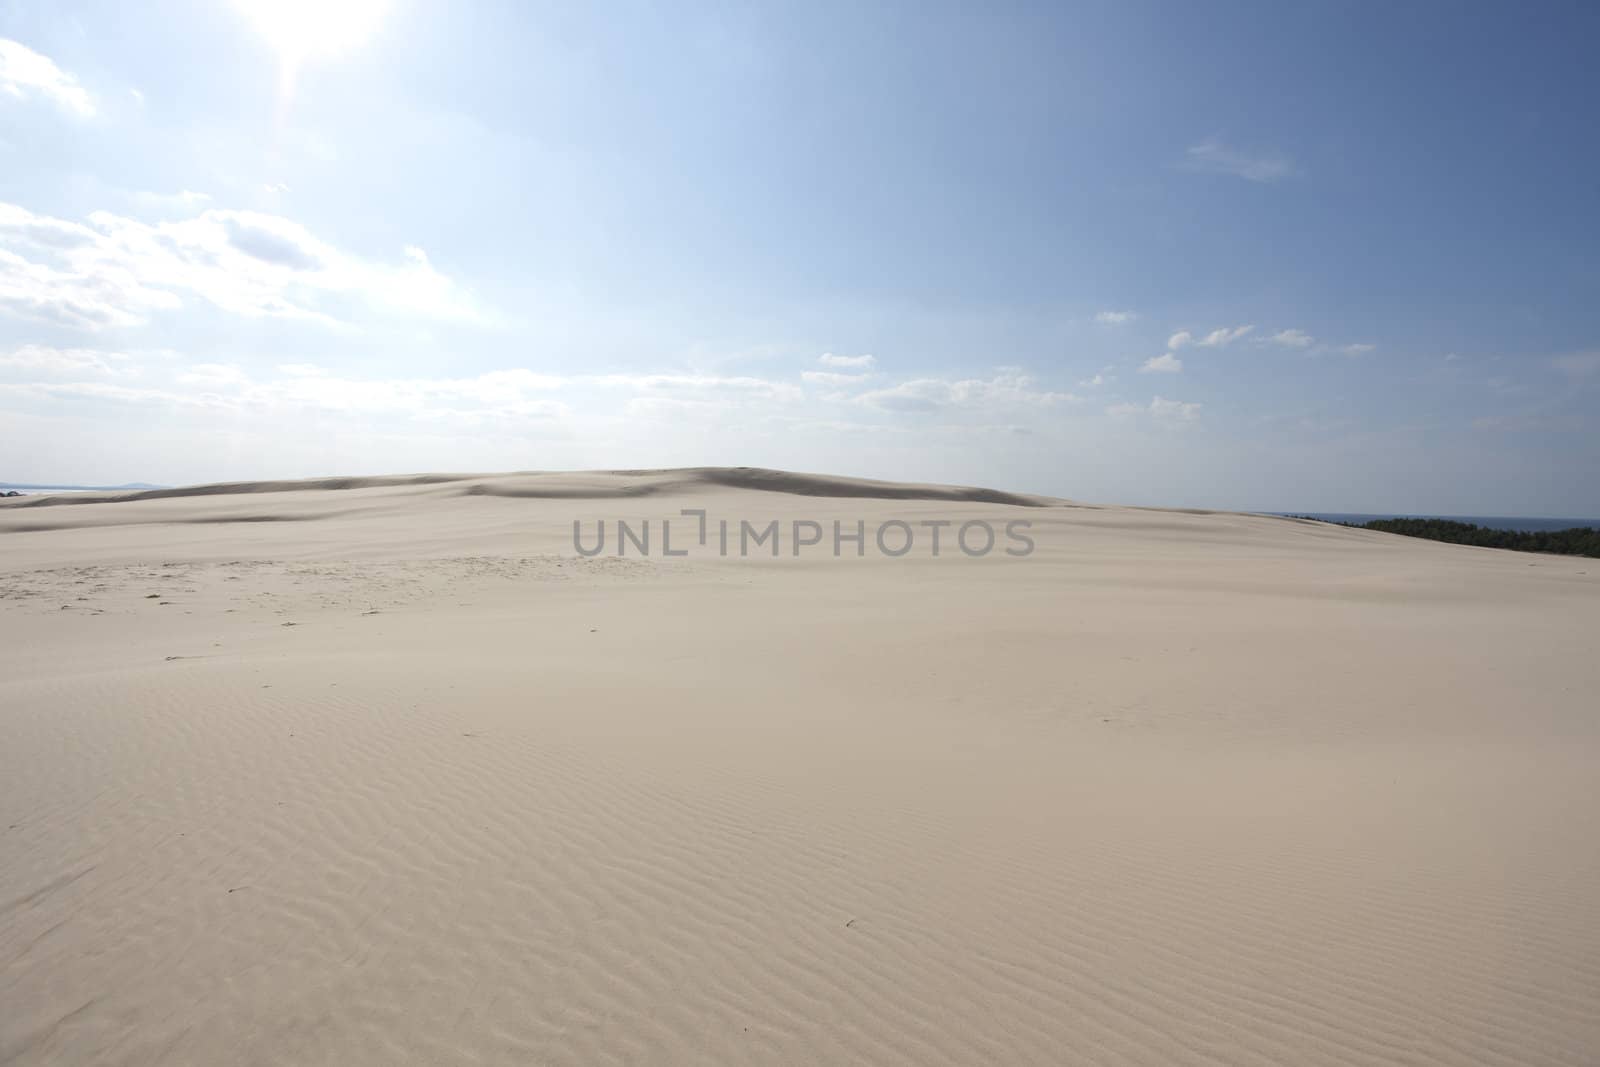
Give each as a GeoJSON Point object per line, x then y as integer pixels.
{"type": "Point", "coordinates": [381, 771]}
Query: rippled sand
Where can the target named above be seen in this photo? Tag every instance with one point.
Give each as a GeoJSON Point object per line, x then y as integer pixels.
{"type": "Point", "coordinates": [380, 771]}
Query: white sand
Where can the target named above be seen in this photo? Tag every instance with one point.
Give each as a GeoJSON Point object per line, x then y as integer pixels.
{"type": "Point", "coordinates": [1175, 789]}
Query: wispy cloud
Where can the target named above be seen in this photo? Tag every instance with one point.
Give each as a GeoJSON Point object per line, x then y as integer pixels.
{"type": "Point", "coordinates": [1217, 338]}
{"type": "Point", "coordinates": [1292, 339]}
{"type": "Point", "coordinates": [1158, 408]}
{"type": "Point", "coordinates": [507, 393]}
{"type": "Point", "coordinates": [1008, 389]}
{"type": "Point", "coordinates": [25, 73]}
{"type": "Point", "coordinates": [1300, 339]}
{"type": "Point", "coordinates": [1166, 363]}
{"type": "Point", "coordinates": [1211, 156]}
{"type": "Point", "coordinates": [1579, 364]}
{"type": "Point", "coordinates": [1225, 336]}
{"type": "Point", "coordinates": [50, 381]}
{"type": "Point", "coordinates": [53, 362]}
{"type": "Point", "coordinates": [184, 200]}
{"type": "Point", "coordinates": [853, 370]}
{"type": "Point", "coordinates": [116, 271]}
{"type": "Point", "coordinates": [832, 379]}
{"type": "Point", "coordinates": [828, 359]}
{"type": "Point", "coordinates": [682, 384]}
{"type": "Point", "coordinates": [1114, 318]}
{"type": "Point", "coordinates": [1179, 410]}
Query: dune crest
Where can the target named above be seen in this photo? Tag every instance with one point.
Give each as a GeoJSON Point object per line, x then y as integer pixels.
{"type": "Point", "coordinates": [577, 484]}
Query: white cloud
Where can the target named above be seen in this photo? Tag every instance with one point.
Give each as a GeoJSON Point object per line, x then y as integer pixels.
{"type": "Point", "coordinates": [1162, 408]}
{"type": "Point", "coordinates": [1008, 389]}
{"type": "Point", "coordinates": [116, 271]}
{"type": "Point", "coordinates": [1114, 318]}
{"type": "Point", "coordinates": [669, 407]}
{"type": "Point", "coordinates": [1292, 339]}
{"type": "Point", "coordinates": [1304, 341]}
{"type": "Point", "coordinates": [183, 202]}
{"type": "Point", "coordinates": [1158, 408]}
{"type": "Point", "coordinates": [1211, 156]}
{"type": "Point", "coordinates": [1166, 363]}
{"type": "Point", "coordinates": [262, 392]}
{"type": "Point", "coordinates": [42, 359]}
{"type": "Point", "coordinates": [71, 298]}
{"type": "Point", "coordinates": [828, 359]}
{"type": "Point", "coordinates": [1533, 420]}
{"type": "Point", "coordinates": [507, 393]}
{"type": "Point", "coordinates": [212, 375]}
{"type": "Point", "coordinates": [688, 385]}
{"type": "Point", "coordinates": [1224, 336]}
{"type": "Point", "coordinates": [24, 73]}
{"type": "Point", "coordinates": [1215, 339]}
{"type": "Point", "coordinates": [831, 378]}
{"type": "Point", "coordinates": [106, 391]}
{"type": "Point", "coordinates": [1579, 364]}
{"type": "Point", "coordinates": [1094, 383]}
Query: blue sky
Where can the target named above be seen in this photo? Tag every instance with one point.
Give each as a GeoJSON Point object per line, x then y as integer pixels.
{"type": "Point", "coordinates": [1324, 257]}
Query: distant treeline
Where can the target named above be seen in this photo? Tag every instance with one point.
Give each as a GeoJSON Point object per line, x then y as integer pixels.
{"type": "Point", "coordinates": [1577, 541]}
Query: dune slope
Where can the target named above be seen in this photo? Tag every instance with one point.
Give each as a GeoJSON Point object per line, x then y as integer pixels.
{"type": "Point", "coordinates": [385, 771]}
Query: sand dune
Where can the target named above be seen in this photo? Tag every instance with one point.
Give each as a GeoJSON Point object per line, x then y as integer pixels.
{"type": "Point", "coordinates": [381, 770]}
{"type": "Point", "coordinates": [565, 485]}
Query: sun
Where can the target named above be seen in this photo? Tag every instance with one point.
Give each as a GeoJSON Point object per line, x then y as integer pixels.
{"type": "Point", "coordinates": [304, 30]}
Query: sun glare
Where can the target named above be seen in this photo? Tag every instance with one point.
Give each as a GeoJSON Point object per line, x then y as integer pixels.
{"type": "Point", "coordinates": [303, 30]}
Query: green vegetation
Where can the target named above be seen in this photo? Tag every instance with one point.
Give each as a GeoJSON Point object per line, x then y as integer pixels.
{"type": "Point", "coordinates": [1577, 541]}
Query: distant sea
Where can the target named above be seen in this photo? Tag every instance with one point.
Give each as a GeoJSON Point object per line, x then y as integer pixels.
{"type": "Point", "coordinates": [1490, 522]}
{"type": "Point", "coordinates": [22, 488]}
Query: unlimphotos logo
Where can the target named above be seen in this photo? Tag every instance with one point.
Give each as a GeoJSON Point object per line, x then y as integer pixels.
{"type": "Point", "coordinates": [893, 538]}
